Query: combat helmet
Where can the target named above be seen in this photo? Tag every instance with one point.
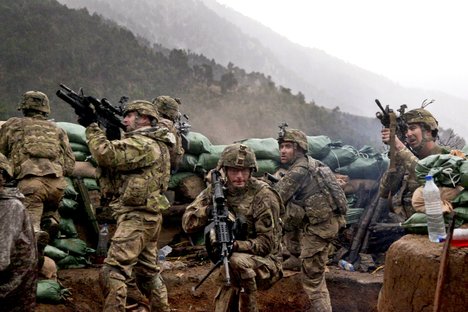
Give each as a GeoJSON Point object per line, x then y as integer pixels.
{"type": "Point", "coordinates": [5, 166]}
{"type": "Point", "coordinates": [35, 100]}
{"type": "Point", "coordinates": [238, 155]}
{"type": "Point", "coordinates": [167, 106]}
{"type": "Point", "coordinates": [421, 115]}
{"type": "Point", "coordinates": [142, 107]}
{"type": "Point", "coordinates": [294, 135]}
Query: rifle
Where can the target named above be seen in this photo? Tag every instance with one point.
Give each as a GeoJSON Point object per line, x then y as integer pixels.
{"type": "Point", "coordinates": [183, 128]}
{"type": "Point", "coordinates": [220, 250]}
{"type": "Point", "coordinates": [106, 114]}
{"type": "Point", "coordinates": [385, 115]}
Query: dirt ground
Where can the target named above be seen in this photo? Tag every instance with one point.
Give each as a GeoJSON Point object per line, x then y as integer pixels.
{"type": "Point", "coordinates": [350, 291]}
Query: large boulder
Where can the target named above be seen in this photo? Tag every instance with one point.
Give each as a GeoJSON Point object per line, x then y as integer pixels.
{"type": "Point", "coordinates": [410, 278]}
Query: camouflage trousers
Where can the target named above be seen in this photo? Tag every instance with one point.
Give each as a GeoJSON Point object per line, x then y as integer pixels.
{"type": "Point", "coordinates": [314, 260]}
{"type": "Point", "coordinates": [42, 197]}
{"type": "Point", "coordinates": [248, 273]}
{"type": "Point", "coordinates": [133, 252]}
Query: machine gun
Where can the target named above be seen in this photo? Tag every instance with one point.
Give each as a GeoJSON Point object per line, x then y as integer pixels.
{"type": "Point", "coordinates": [183, 128]}
{"type": "Point", "coordinates": [106, 114]}
{"type": "Point", "coordinates": [219, 236]}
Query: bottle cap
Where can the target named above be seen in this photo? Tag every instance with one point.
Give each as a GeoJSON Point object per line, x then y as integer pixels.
{"type": "Point", "coordinates": [428, 177]}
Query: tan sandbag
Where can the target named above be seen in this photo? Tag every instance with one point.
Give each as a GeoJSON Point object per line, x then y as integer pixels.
{"type": "Point", "coordinates": [342, 179]}
{"type": "Point", "coordinates": [84, 169]}
{"type": "Point", "coordinates": [355, 185]}
{"type": "Point", "coordinates": [191, 186]}
{"type": "Point", "coordinates": [447, 194]}
{"type": "Point", "coordinates": [49, 269]}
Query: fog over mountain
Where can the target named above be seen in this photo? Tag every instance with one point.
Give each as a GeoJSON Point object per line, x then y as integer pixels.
{"type": "Point", "coordinates": [211, 29]}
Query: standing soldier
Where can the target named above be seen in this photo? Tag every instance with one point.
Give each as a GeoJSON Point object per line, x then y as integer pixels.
{"type": "Point", "coordinates": [168, 109]}
{"type": "Point", "coordinates": [18, 253]}
{"type": "Point", "coordinates": [141, 166]}
{"type": "Point", "coordinates": [41, 156]}
{"type": "Point", "coordinates": [255, 261]}
{"type": "Point", "coordinates": [421, 137]}
{"type": "Point", "coordinates": [310, 207]}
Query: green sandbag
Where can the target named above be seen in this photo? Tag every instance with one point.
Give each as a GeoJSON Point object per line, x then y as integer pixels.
{"type": "Point", "coordinates": [78, 147]}
{"type": "Point", "coordinates": [364, 168]}
{"type": "Point", "coordinates": [263, 148]}
{"type": "Point", "coordinates": [188, 163]}
{"type": "Point", "coordinates": [340, 156]}
{"type": "Point", "coordinates": [50, 291]}
{"type": "Point", "coordinates": [80, 156]}
{"type": "Point", "coordinates": [445, 169]}
{"type": "Point", "coordinates": [177, 177]}
{"type": "Point", "coordinates": [210, 160]}
{"type": "Point", "coordinates": [76, 133]}
{"type": "Point", "coordinates": [417, 223]}
{"type": "Point", "coordinates": [72, 262]}
{"type": "Point", "coordinates": [70, 191]}
{"type": "Point", "coordinates": [266, 166]}
{"type": "Point", "coordinates": [91, 184]}
{"type": "Point", "coordinates": [67, 207]}
{"type": "Point", "coordinates": [74, 245]}
{"type": "Point", "coordinates": [461, 200]}
{"type": "Point", "coordinates": [67, 228]}
{"type": "Point", "coordinates": [464, 174]}
{"type": "Point", "coordinates": [353, 215]}
{"type": "Point", "coordinates": [318, 146]}
{"type": "Point", "coordinates": [462, 213]}
{"type": "Point", "coordinates": [198, 143]}
{"type": "Point", "coordinates": [54, 253]}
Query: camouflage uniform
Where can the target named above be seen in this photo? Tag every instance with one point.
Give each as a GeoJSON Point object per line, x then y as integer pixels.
{"type": "Point", "coordinates": [305, 202]}
{"type": "Point", "coordinates": [41, 156]}
{"type": "Point", "coordinates": [256, 264]}
{"type": "Point", "coordinates": [140, 163]}
{"type": "Point", "coordinates": [18, 253]}
{"type": "Point", "coordinates": [403, 182]}
{"type": "Point", "coordinates": [168, 109]}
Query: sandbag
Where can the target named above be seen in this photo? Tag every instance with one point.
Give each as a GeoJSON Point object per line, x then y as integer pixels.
{"type": "Point", "coordinates": [353, 215]}
{"type": "Point", "coordinates": [76, 133]}
{"type": "Point", "coordinates": [364, 168]}
{"type": "Point", "coordinates": [417, 223]}
{"type": "Point", "coordinates": [73, 262]}
{"type": "Point", "coordinates": [49, 269]}
{"type": "Point", "coordinates": [319, 146]}
{"type": "Point", "coordinates": [190, 186]}
{"type": "Point", "coordinates": [54, 253]}
{"type": "Point", "coordinates": [340, 156]}
{"type": "Point", "coordinates": [74, 245]}
{"type": "Point", "coordinates": [50, 291]}
{"type": "Point", "coordinates": [263, 148]}
{"type": "Point", "coordinates": [462, 213]}
{"type": "Point", "coordinates": [188, 163]}
{"type": "Point", "coordinates": [67, 207]}
{"type": "Point", "coordinates": [447, 194]}
{"type": "Point", "coordinates": [461, 200]}
{"type": "Point", "coordinates": [91, 184]}
{"type": "Point", "coordinates": [78, 147]}
{"type": "Point", "coordinates": [198, 143]}
{"type": "Point", "coordinates": [445, 169]}
{"type": "Point", "coordinates": [67, 228]}
{"type": "Point", "coordinates": [177, 177]}
{"type": "Point", "coordinates": [80, 156]}
{"type": "Point", "coordinates": [70, 191]}
{"type": "Point", "coordinates": [84, 169]}
{"type": "Point", "coordinates": [210, 160]}
{"type": "Point", "coordinates": [266, 166]}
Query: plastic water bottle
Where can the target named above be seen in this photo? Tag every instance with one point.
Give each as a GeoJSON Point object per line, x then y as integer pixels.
{"type": "Point", "coordinates": [345, 265]}
{"type": "Point", "coordinates": [163, 252]}
{"type": "Point", "coordinates": [101, 250]}
{"type": "Point", "coordinates": [435, 218]}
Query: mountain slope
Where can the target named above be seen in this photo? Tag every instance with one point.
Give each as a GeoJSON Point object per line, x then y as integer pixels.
{"type": "Point", "coordinates": [217, 32]}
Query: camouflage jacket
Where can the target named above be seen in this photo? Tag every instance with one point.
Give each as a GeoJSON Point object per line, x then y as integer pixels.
{"type": "Point", "coordinates": [303, 199]}
{"type": "Point", "coordinates": [37, 147]}
{"type": "Point", "coordinates": [140, 166]}
{"type": "Point", "coordinates": [257, 204]}
{"type": "Point", "coordinates": [176, 151]}
{"type": "Point", "coordinates": [18, 254]}
{"type": "Point", "coordinates": [404, 182]}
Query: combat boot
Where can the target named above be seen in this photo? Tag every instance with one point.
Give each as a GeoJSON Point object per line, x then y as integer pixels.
{"type": "Point", "coordinates": [248, 296]}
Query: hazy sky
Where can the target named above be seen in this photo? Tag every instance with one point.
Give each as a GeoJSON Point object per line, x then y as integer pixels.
{"type": "Point", "coordinates": [420, 43]}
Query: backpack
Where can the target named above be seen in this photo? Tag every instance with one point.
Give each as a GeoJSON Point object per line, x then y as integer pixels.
{"type": "Point", "coordinates": [329, 185]}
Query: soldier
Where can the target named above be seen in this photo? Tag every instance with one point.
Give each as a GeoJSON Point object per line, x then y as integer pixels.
{"type": "Point", "coordinates": [309, 208]}
{"type": "Point", "coordinates": [421, 137]}
{"type": "Point", "coordinates": [168, 109]}
{"type": "Point", "coordinates": [18, 253]}
{"type": "Point", "coordinates": [41, 156]}
{"type": "Point", "coordinates": [255, 262]}
{"type": "Point", "coordinates": [141, 166]}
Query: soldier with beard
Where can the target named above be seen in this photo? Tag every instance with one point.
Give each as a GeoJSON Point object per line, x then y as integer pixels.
{"type": "Point", "coordinates": [311, 215]}
{"type": "Point", "coordinates": [421, 138]}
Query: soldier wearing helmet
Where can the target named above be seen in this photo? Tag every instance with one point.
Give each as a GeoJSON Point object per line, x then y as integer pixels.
{"type": "Point", "coordinates": [168, 109]}
{"type": "Point", "coordinates": [255, 261]}
{"type": "Point", "coordinates": [140, 166]}
{"type": "Point", "coordinates": [311, 222]}
{"type": "Point", "coordinates": [41, 157]}
{"type": "Point", "coordinates": [18, 252]}
{"type": "Point", "coordinates": [421, 135]}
